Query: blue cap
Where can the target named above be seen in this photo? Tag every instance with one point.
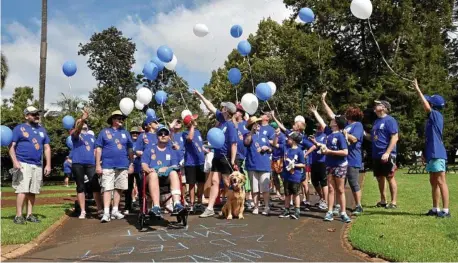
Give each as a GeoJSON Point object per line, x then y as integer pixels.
{"type": "Point", "coordinates": [150, 119]}
{"type": "Point", "coordinates": [436, 101]}
{"type": "Point", "coordinates": [162, 128]}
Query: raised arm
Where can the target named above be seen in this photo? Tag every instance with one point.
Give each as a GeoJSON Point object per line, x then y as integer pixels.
{"type": "Point", "coordinates": [320, 120]}
{"type": "Point", "coordinates": [206, 102]}
{"type": "Point", "coordinates": [280, 125]}
{"type": "Point", "coordinates": [80, 123]}
{"type": "Point", "coordinates": [328, 109]}
{"type": "Point", "coordinates": [425, 103]}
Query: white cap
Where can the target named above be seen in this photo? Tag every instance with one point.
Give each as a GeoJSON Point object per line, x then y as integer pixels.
{"type": "Point", "coordinates": [299, 118]}
{"type": "Point", "coordinates": [185, 113]}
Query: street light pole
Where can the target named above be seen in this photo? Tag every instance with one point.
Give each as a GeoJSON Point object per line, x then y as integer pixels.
{"type": "Point", "coordinates": [43, 53]}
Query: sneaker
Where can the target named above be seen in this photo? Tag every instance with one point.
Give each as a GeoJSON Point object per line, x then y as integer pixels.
{"type": "Point", "coordinates": [285, 213]}
{"type": "Point", "coordinates": [306, 203]}
{"type": "Point", "coordinates": [105, 218]}
{"type": "Point", "coordinates": [329, 216]}
{"type": "Point", "coordinates": [442, 214]}
{"type": "Point", "coordinates": [199, 208]}
{"type": "Point", "coordinates": [323, 206]}
{"type": "Point", "coordinates": [126, 212]}
{"type": "Point", "coordinates": [432, 213]}
{"type": "Point", "coordinates": [336, 210]}
{"type": "Point", "coordinates": [255, 211]}
{"type": "Point", "coordinates": [345, 218]}
{"type": "Point", "coordinates": [191, 208]}
{"type": "Point", "coordinates": [32, 218]}
{"type": "Point", "coordinates": [155, 211]}
{"type": "Point", "coordinates": [250, 205]}
{"type": "Point", "coordinates": [169, 207]}
{"type": "Point", "coordinates": [82, 215]}
{"type": "Point", "coordinates": [358, 211]}
{"type": "Point", "coordinates": [117, 215]}
{"type": "Point", "coordinates": [391, 206]}
{"type": "Point", "coordinates": [19, 220]}
{"type": "Point", "coordinates": [380, 204]}
{"type": "Point", "coordinates": [295, 215]}
{"type": "Point", "coordinates": [178, 208]}
{"type": "Point", "coordinates": [266, 211]}
{"type": "Point", "coordinates": [207, 213]}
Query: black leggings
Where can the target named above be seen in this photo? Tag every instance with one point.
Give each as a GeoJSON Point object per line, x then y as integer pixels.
{"type": "Point", "coordinates": [79, 170]}
{"type": "Point", "coordinates": [131, 188]}
{"type": "Point", "coordinates": [318, 174]}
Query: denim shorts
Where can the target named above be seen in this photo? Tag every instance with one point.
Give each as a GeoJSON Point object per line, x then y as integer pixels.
{"type": "Point", "coordinates": [435, 166]}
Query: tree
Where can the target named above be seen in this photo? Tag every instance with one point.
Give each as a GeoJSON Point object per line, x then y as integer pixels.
{"type": "Point", "coordinates": [69, 104]}
{"type": "Point", "coordinates": [43, 51]}
{"type": "Point", "coordinates": [4, 71]}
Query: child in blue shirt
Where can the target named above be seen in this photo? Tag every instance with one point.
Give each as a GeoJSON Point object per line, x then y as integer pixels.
{"type": "Point", "coordinates": [67, 170]}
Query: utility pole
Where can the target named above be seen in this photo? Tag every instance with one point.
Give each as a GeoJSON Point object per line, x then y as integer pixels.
{"type": "Point", "coordinates": [43, 53]}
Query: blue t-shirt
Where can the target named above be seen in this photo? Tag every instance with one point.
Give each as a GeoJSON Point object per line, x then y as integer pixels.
{"type": "Point", "coordinates": [83, 149]}
{"type": "Point", "coordinates": [67, 167]}
{"type": "Point", "coordinates": [29, 143]}
{"type": "Point", "coordinates": [280, 151]}
{"type": "Point", "coordinates": [178, 139]}
{"type": "Point", "coordinates": [305, 144]}
{"type": "Point", "coordinates": [336, 141]}
{"type": "Point", "coordinates": [320, 137]}
{"type": "Point", "coordinates": [354, 149]}
{"type": "Point", "coordinates": [435, 148]}
{"type": "Point", "coordinates": [267, 131]}
{"type": "Point", "coordinates": [255, 159]}
{"type": "Point", "coordinates": [241, 148]}
{"type": "Point", "coordinates": [145, 139]}
{"type": "Point", "coordinates": [381, 133]}
{"type": "Point", "coordinates": [297, 155]}
{"type": "Point", "coordinates": [137, 160]}
{"type": "Point", "coordinates": [157, 158]}
{"type": "Point", "coordinates": [194, 153]}
{"type": "Point", "coordinates": [230, 133]}
{"type": "Point", "coordinates": [115, 144]}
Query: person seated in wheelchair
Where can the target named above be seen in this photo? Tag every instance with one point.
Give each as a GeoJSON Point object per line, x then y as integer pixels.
{"type": "Point", "coordinates": [158, 161]}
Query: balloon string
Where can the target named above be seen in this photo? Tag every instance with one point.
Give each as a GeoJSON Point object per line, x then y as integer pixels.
{"type": "Point", "coordinates": [69, 84]}
{"type": "Point", "coordinates": [276, 109]}
{"type": "Point", "coordinates": [236, 96]}
{"type": "Point", "coordinates": [163, 116]}
{"type": "Point", "coordinates": [182, 97]}
{"type": "Point", "coordinates": [251, 74]}
{"type": "Point", "coordinates": [383, 58]}
{"type": "Point", "coordinates": [268, 105]}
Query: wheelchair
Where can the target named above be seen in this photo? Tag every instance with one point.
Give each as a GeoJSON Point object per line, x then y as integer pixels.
{"type": "Point", "coordinates": [164, 188]}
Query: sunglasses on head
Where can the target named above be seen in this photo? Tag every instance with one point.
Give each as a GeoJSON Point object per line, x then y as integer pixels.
{"type": "Point", "coordinates": [163, 134]}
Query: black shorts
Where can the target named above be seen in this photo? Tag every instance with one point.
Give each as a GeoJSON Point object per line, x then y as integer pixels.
{"type": "Point", "coordinates": [386, 169]}
{"type": "Point", "coordinates": [239, 163]}
{"type": "Point", "coordinates": [291, 188]}
{"type": "Point", "coordinates": [79, 170]}
{"type": "Point", "coordinates": [318, 175]}
{"type": "Point", "coordinates": [221, 165]}
{"type": "Point", "coordinates": [194, 174]}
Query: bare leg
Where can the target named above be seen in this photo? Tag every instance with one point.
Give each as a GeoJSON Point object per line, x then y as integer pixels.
{"type": "Point", "coordinates": [393, 189]}
{"type": "Point", "coordinates": [381, 188]}
{"type": "Point", "coordinates": [331, 188]}
{"type": "Point", "coordinates": [98, 200]}
{"type": "Point", "coordinates": [435, 190]}
{"type": "Point", "coordinates": [66, 181]}
{"type": "Point", "coordinates": [117, 197]}
{"type": "Point", "coordinates": [19, 203]}
{"type": "Point", "coordinates": [214, 190]}
{"type": "Point", "coordinates": [441, 181]}
{"type": "Point", "coordinates": [82, 201]}
{"type": "Point", "coordinates": [192, 194]}
{"type": "Point", "coordinates": [200, 192]}
{"type": "Point", "coordinates": [175, 186]}
{"type": "Point", "coordinates": [30, 203]}
{"type": "Point", "coordinates": [153, 185]}
{"type": "Point", "coordinates": [340, 189]}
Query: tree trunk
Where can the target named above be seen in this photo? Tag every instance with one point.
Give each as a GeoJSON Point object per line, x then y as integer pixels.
{"type": "Point", "coordinates": [43, 52]}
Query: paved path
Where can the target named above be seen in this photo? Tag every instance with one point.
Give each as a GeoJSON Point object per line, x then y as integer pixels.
{"type": "Point", "coordinates": [256, 238]}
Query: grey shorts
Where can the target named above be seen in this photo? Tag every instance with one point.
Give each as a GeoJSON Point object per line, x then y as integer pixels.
{"type": "Point", "coordinates": [260, 181]}
{"type": "Point", "coordinates": [29, 179]}
{"type": "Point", "coordinates": [114, 179]}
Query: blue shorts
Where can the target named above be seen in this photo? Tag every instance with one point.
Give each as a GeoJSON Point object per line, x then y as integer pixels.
{"type": "Point", "coordinates": [436, 166]}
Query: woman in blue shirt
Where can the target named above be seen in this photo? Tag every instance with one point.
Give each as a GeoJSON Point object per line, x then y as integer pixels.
{"type": "Point", "coordinates": [435, 153]}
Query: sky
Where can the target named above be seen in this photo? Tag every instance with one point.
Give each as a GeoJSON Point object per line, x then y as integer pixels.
{"type": "Point", "coordinates": [150, 24]}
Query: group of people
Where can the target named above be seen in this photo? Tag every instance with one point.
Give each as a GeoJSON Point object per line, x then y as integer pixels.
{"type": "Point", "coordinates": [263, 147]}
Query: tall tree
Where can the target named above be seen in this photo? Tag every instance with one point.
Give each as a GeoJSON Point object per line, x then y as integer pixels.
{"type": "Point", "coordinates": [69, 104]}
{"type": "Point", "coordinates": [4, 70]}
{"type": "Point", "coordinates": [43, 51]}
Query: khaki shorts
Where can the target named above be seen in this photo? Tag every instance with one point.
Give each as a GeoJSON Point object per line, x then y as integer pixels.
{"type": "Point", "coordinates": [29, 179]}
{"type": "Point", "coordinates": [114, 179]}
{"type": "Point", "coordinates": [260, 181]}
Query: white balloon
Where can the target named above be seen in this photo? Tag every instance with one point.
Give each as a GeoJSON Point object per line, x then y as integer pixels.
{"type": "Point", "coordinates": [362, 9]}
{"type": "Point", "coordinates": [250, 103]}
{"type": "Point", "coordinates": [139, 105]}
{"type": "Point", "coordinates": [200, 30]}
{"type": "Point", "coordinates": [144, 95]}
{"type": "Point", "coordinates": [272, 86]}
{"type": "Point", "coordinates": [126, 105]}
{"type": "Point", "coordinates": [172, 64]}
{"type": "Point", "coordinates": [185, 113]}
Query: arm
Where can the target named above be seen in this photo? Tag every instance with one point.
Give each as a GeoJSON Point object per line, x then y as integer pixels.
{"type": "Point", "coordinates": [328, 109]}
{"type": "Point", "coordinates": [352, 139]}
{"type": "Point", "coordinates": [98, 157]}
{"type": "Point", "coordinates": [394, 139]}
{"type": "Point", "coordinates": [233, 152]}
{"type": "Point", "coordinates": [206, 102]}
{"type": "Point", "coordinates": [367, 136]}
{"type": "Point", "coordinates": [48, 159]}
{"type": "Point", "coordinates": [248, 139]}
{"type": "Point", "coordinates": [310, 150]}
{"type": "Point", "coordinates": [275, 141]}
{"type": "Point", "coordinates": [12, 152]}
{"type": "Point", "coordinates": [79, 127]}
{"type": "Point", "coordinates": [280, 125]}
{"type": "Point", "coordinates": [320, 120]}
{"type": "Point", "coordinates": [425, 103]}
{"type": "Point", "coordinates": [343, 152]}
{"type": "Point", "coordinates": [190, 134]}
{"type": "Point", "coordinates": [146, 168]}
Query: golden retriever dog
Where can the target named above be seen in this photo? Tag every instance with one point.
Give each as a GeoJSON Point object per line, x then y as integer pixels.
{"type": "Point", "coordinates": [235, 197]}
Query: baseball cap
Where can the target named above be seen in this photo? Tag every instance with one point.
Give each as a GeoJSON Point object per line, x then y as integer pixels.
{"type": "Point", "coordinates": [149, 119]}
{"type": "Point", "coordinates": [135, 129]}
{"type": "Point", "coordinates": [299, 118]}
{"type": "Point", "coordinates": [162, 128]}
{"type": "Point", "coordinates": [295, 136]}
{"type": "Point", "coordinates": [341, 121]}
{"type": "Point", "coordinates": [437, 101]}
{"type": "Point", "coordinates": [384, 103]}
{"type": "Point", "coordinates": [188, 119]}
{"type": "Point", "coordinates": [231, 108]}
{"type": "Point", "coordinates": [274, 125]}
{"type": "Point", "coordinates": [115, 113]}
{"type": "Point", "coordinates": [31, 110]}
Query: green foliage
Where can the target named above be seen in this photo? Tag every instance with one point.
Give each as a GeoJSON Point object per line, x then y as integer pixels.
{"type": "Point", "coordinates": [4, 71]}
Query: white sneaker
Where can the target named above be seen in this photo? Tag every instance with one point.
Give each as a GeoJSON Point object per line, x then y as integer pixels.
{"type": "Point", "coordinates": [266, 211]}
{"type": "Point", "coordinates": [117, 215]}
{"type": "Point", "coordinates": [255, 211]}
{"type": "Point", "coordinates": [105, 218]}
{"type": "Point", "coordinates": [126, 212]}
{"type": "Point", "coordinates": [82, 215]}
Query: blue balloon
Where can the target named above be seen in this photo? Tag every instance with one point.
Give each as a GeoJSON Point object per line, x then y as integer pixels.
{"type": "Point", "coordinates": [151, 112]}
{"type": "Point", "coordinates": [7, 135]}
{"type": "Point", "coordinates": [161, 97]}
{"type": "Point", "coordinates": [306, 14]}
{"type": "Point", "coordinates": [165, 54]}
{"type": "Point", "coordinates": [69, 142]}
{"type": "Point", "coordinates": [150, 70]}
{"type": "Point", "coordinates": [68, 122]}
{"type": "Point", "coordinates": [244, 48]}
{"type": "Point", "coordinates": [236, 31]}
{"type": "Point", "coordinates": [263, 91]}
{"type": "Point", "coordinates": [216, 138]}
{"type": "Point", "coordinates": [158, 63]}
{"type": "Point", "coordinates": [234, 76]}
{"type": "Point", "coordinates": [69, 68]}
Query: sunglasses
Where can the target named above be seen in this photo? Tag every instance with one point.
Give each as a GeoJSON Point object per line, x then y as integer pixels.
{"type": "Point", "coordinates": [34, 114]}
{"type": "Point", "coordinates": [162, 134]}
{"type": "Point", "coordinates": [84, 128]}
{"type": "Point", "coordinates": [118, 118]}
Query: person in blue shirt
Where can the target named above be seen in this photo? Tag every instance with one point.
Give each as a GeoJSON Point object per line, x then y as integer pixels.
{"type": "Point", "coordinates": [67, 170]}
{"type": "Point", "coordinates": [177, 143]}
{"type": "Point", "coordinates": [135, 176]}
{"type": "Point", "coordinates": [278, 153]}
{"type": "Point", "coordinates": [435, 153]}
{"type": "Point", "coordinates": [223, 162]}
{"type": "Point", "coordinates": [294, 163]}
{"type": "Point", "coordinates": [384, 136]}
{"type": "Point", "coordinates": [258, 163]}
{"type": "Point", "coordinates": [194, 159]}
{"type": "Point", "coordinates": [160, 160]}
{"type": "Point", "coordinates": [354, 133]}
{"type": "Point", "coordinates": [148, 137]}
{"type": "Point", "coordinates": [30, 139]}
{"type": "Point", "coordinates": [114, 161]}
{"type": "Point", "coordinates": [83, 165]}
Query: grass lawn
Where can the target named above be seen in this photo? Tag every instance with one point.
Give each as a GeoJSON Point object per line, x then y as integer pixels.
{"type": "Point", "coordinates": [10, 189]}
{"type": "Point", "coordinates": [64, 194]}
{"type": "Point", "coordinates": [21, 234]}
{"type": "Point", "coordinates": [405, 234]}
